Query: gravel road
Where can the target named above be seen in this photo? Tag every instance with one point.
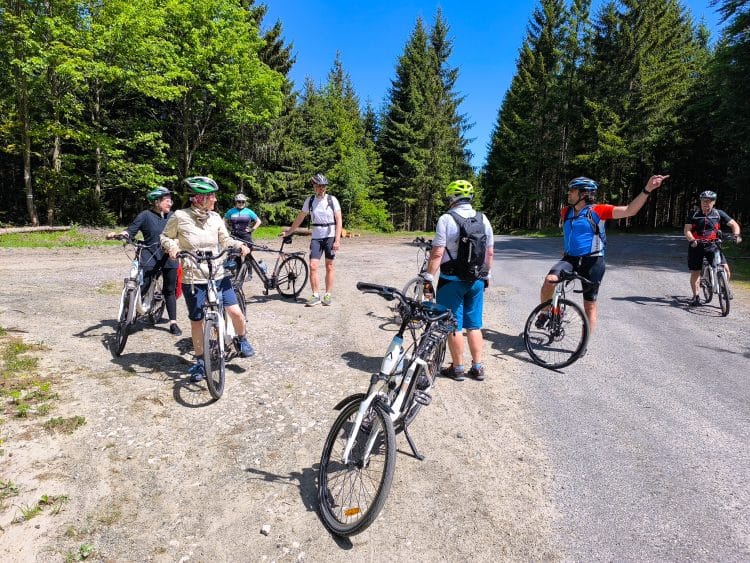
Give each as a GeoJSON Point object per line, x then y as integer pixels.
{"type": "Point", "coordinates": [638, 451]}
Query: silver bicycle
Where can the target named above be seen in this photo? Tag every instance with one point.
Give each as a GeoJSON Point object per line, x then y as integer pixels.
{"type": "Point", "coordinates": [714, 279]}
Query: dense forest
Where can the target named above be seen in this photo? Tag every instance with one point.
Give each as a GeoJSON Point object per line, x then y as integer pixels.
{"type": "Point", "coordinates": [101, 100]}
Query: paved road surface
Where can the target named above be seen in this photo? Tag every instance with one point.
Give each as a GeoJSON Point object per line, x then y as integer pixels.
{"type": "Point", "coordinates": [649, 434]}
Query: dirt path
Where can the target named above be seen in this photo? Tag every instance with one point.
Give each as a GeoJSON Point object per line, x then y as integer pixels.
{"type": "Point", "coordinates": [158, 473]}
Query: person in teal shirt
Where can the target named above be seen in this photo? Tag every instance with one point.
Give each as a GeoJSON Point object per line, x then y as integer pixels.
{"type": "Point", "coordinates": [238, 219]}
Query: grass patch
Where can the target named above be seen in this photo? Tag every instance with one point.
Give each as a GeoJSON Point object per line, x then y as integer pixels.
{"type": "Point", "coordinates": [73, 238]}
{"type": "Point", "coordinates": [110, 288]}
{"type": "Point", "coordinates": [65, 425]}
{"type": "Point", "coordinates": [84, 551]}
{"type": "Point", "coordinates": [29, 511]}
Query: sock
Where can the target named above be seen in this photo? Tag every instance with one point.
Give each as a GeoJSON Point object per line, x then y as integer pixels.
{"type": "Point", "coordinates": [477, 366]}
{"type": "Point", "coordinates": [458, 368]}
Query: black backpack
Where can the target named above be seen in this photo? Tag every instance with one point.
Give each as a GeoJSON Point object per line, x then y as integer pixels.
{"type": "Point", "coordinates": [468, 264]}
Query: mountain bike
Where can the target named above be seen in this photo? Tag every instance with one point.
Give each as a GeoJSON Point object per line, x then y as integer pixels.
{"type": "Point", "coordinates": [359, 455]}
{"type": "Point", "coordinates": [714, 279]}
{"type": "Point", "coordinates": [414, 287]}
{"type": "Point", "coordinates": [288, 277]}
{"type": "Point", "coordinates": [559, 337]}
{"type": "Point", "coordinates": [219, 338]}
{"type": "Point", "coordinates": [134, 306]}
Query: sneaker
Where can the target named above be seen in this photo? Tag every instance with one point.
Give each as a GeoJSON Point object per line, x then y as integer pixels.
{"type": "Point", "coordinates": [246, 349]}
{"type": "Point", "coordinates": [314, 300]}
{"type": "Point", "coordinates": [542, 320]}
{"type": "Point", "coordinates": [197, 371]}
{"type": "Point", "coordinates": [451, 372]}
{"type": "Point", "coordinates": [327, 299]}
{"type": "Point", "coordinates": [695, 301]}
{"type": "Point", "coordinates": [174, 329]}
{"type": "Point", "coordinates": [477, 372]}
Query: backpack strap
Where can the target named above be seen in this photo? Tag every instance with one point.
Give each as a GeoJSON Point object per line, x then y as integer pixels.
{"type": "Point", "coordinates": [460, 223]}
{"type": "Point", "coordinates": [310, 210]}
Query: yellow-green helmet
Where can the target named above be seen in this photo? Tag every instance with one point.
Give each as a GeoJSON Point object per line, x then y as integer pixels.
{"type": "Point", "coordinates": [459, 189]}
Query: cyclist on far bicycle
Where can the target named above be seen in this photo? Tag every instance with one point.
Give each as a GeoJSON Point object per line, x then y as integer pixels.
{"type": "Point", "coordinates": [702, 227]}
{"type": "Point", "coordinates": [584, 240]}
{"type": "Point", "coordinates": [151, 223]}
{"type": "Point", "coordinates": [200, 228]}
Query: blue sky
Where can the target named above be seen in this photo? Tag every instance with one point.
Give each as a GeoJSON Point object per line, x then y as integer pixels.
{"type": "Point", "coordinates": [371, 36]}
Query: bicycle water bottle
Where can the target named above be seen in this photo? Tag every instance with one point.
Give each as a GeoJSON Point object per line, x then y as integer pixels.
{"type": "Point", "coordinates": [393, 361]}
{"type": "Point", "coordinates": [263, 267]}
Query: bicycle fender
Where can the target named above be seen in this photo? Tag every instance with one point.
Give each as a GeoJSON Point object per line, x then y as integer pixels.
{"type": "Point", "coordinates": [348, 400]}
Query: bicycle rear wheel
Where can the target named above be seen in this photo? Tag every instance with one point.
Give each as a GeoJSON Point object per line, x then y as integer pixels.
{"type": "Point", "coordinates": [240, 293]}
{"type": "Point", "coordinates": [723, 293]}
{"type": "Point", "coordinates": [213, 358]}
{"type": "Point", "coordinates": [351, 495]}
{"type": "Point", "coordinates": [156, 298]}
{"type": "Point", "coordinates": [561, 340]}
{"type": "Point", "coordinates": [434, 357]}
{"type": "Point", "coordinates": [414, 289]}
{"type": "Point", "coordinates": [707, 285]}
{"type": "Point", "coordinates": [292, 276]}
{"type": "Point", "coordinates": [125, 321]}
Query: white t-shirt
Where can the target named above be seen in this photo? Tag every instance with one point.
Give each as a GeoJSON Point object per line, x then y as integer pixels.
{"type": "Point", "coordinates": [322, 213]}
{"type": "Point", "coordinates": [447, 230]}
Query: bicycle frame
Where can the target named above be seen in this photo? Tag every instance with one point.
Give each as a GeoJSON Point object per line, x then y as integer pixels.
{"type": "Point", "coordinates": [269, 281]}
{"type": "Point", "coordinates": [134, 281]}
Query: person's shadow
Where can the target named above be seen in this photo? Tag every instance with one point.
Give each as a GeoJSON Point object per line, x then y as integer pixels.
{"type": "Point", "coordinates": [674, 301]}
{"type": "Point", "coordinates": [306, 482]}
{"type": "Point", "coordinates": [507, 345]}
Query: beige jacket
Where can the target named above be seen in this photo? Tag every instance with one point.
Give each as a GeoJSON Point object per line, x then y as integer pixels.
{"type": "Point", "coordinates": [185, 231]}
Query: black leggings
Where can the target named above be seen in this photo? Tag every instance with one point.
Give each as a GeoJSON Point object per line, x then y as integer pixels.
{"type": "Point", "coordinates": [169, 286]}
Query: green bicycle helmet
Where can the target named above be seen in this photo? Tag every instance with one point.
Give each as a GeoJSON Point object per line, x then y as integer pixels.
{"type": "Point", "coordinates": [201, 185]}
{"type": "Point", "coordinates": [459, 189]}
{"type": "Point", "coordinates": [158, 193]}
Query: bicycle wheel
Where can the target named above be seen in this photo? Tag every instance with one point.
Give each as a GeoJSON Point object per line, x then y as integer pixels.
{"type": "Point", "coordinates": [562, 339]}
{"type": "Point", "coordinates": [351, 495]}
{"type": "Point", "coordinates": [434, 358]}
{"type": "Point", "coordinates": [213, 358]}
{"type": "Point", "coordinates": [292, 276]}
{"type": "Point", "coordinates": [125, 320]}
{"type": "Point", "coordinates": [707, 284]}
{"type": "Point", "coordinates": [414, 289]}
{"type": "Point", "coordinates": [156, 298]}
{"type": "Point", "coordinates": [723, 293]}
{"type": "Point", "coordinates": [240, 293]}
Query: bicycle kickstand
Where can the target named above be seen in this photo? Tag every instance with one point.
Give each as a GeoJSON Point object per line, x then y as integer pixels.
{"type": "Point", "coordinates": [413, 446]}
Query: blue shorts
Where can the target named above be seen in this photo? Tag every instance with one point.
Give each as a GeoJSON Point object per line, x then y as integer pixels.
{"type": "Point", "coordinates": [195, 297]}
{"type": "Point", "coordinates": [318, 246]}
{"type": "Point", "coordinates": [465, 299]}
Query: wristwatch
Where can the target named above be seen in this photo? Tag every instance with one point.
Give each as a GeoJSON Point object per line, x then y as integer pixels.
{"type": "Point", "coordinates": [645, 191]}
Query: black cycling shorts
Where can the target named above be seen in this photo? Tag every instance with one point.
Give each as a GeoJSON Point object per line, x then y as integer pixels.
{"type": "Point", "coordinates": [590, 267]}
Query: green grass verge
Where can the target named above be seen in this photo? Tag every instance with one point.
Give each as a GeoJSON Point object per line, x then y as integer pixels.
{"type": "Point", "coordinates": [74, 238]}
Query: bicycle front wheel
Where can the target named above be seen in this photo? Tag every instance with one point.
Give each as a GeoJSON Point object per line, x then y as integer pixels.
{"type": "Point", "coordinates": [414, 289]}
{"type": "Point", "coordinates": [707, 284]}
{"type": "Point", "coordinates": [723, 293]}
{"type": "Point", "coordinates": [156, 298]}
{"type": "Point", "coordinates": [292, 276]}
{"type": "Point", "coordinates": [562, 339]}
{"type": "Point", "coordinates": [213, 358]}
{"type": "Point", "coordinates": [351, 495]}
{"type": "Point", "coordinates": [240, 293]}
{"type": "Point", "coordinates": [124, 322]}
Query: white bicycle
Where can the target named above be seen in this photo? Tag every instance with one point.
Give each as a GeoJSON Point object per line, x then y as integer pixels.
{"type": "Point", "coordinates": [359, 455]}
{"type": "Point", "coordinates": [219, 338]}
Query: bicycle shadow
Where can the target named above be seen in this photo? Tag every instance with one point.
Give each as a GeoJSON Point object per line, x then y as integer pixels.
{"type": "Point", "coordinates": [258, 299]}
{"type": "Point", "coordinates": [306, 482]}
{"type": "Point", "coordinates": [507, 345]}
{"type": "Point", "coordinates": [108, 338]}
{"type": "Point", "coordinates": [674, 301]}
{"type": "Point", "coordinates": [360, 362]}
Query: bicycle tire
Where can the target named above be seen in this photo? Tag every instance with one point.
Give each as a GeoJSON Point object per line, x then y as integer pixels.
{"type": "Point", "coordinates": [240, 275]}
{"type": "Point", "coordinates": [414, 289]}
{"type": "Point", "coordinates": [343, 489]}
{"type": "Point", "coordinates": [125, 321]}
{"type": "Point", "coordinates": [434, 358]}
{"type": "Point", "coordinates": [158, 304]}
{"type": "Point", "coordinates": [291, 276]}
{"type": "Point", "coordinates": [562, 340]}
{"type": "Point", "coordinates": [723, 293]}
{"type": "Point", "coordinates": [240, 293]}
{"type": "Point", "coordinates": [213, 358]}
{"type": "Point", "coordinates": [707, 284]}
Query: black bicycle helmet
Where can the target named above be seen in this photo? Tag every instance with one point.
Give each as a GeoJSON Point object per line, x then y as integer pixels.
{"type": "Point", "coordinates": [201, 185]}
{"type": "Point", "coordinates": [319, 179]}
{"type": "Point", "coordinates": [708, 194]}
{"type": "Point", "coordinates": [583, 184]}
{"type": "Point", "coordinates": [158, 193]}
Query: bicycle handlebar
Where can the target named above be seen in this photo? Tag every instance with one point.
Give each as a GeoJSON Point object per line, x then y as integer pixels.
{"type": "Point", "coordinates": [430, 311]}
{"type": "Point", "coordinates": [207, 255]}
{"type": "Point", "coordinates": [137, 243]}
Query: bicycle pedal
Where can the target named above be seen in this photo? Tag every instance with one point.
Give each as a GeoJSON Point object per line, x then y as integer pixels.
{"type": "Point", "coordinates": [423, 398]}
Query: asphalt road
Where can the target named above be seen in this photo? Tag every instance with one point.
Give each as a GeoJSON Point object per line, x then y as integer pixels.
{"type": "Point", "coordinates": [649, 434]}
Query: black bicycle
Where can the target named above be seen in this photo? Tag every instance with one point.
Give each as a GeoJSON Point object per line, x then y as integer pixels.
{"type": "Point", "coordinates": [288, 277]}
{"type": "Point", "coordinates": [557, 331]}
{"type": "Point", "coordinates": [359, 455]}
{"type": "Point", "coordinates": [714, 279]}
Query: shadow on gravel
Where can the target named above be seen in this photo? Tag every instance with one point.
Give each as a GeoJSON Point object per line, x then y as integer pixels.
{"type": "Point", "coordinates": [507, 344]}
{"type": "Point", "coordinates": [675, 301]}
{"type": "Point", "coordinates": [367, 364]}
{"type": "Point", "coordinates": [306, 482]}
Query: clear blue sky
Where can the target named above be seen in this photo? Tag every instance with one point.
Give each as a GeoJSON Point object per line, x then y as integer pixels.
{"type": "Point", "coordinates": [371, 37]}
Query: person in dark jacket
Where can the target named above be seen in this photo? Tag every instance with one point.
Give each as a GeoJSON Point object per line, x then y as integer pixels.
{"type": "Point", "coordinates": [151, 223]}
